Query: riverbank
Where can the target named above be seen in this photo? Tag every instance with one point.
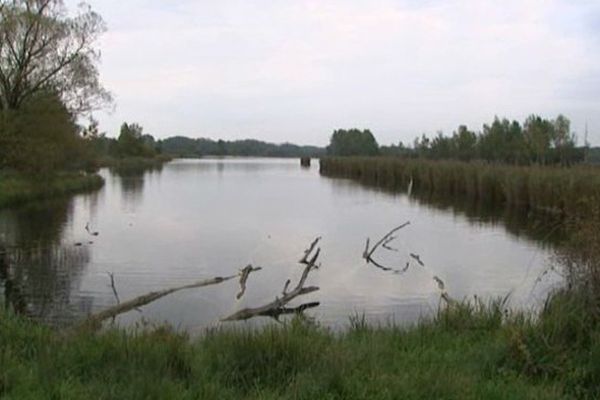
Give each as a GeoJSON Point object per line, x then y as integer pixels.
{"type": "Point", "coordinates": [566, 191]}
{"type": "Point", "coordinates": [467, 352]}
{"type": "Point", "coordinates": [16, 188]}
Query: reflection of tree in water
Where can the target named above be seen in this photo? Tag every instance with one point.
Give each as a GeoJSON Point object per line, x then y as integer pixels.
{"type": "Point", "coordinates": [38, 272]}
{"type": "Point", "coordinates": [132, 182]}
{"type": "Point", "coordinates": [39, 223]}
{"type": "Point", "coordinates": [544, 229]}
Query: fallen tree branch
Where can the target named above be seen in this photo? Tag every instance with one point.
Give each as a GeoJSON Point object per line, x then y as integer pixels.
{"type": "Point", "coordinates": [277, 306]}
{"type": "Point", "coordinates": [244, 274]}
{"type": "Point", "coordinates": [384, 242]}
{"type": "Point", "coordinates": [95, 320]}
{"type": "Point", "coordinates": [276, 313]}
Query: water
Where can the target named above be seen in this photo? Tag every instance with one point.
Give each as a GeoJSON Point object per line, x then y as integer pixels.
{"type": "Point", "coordinates": [197, 219]}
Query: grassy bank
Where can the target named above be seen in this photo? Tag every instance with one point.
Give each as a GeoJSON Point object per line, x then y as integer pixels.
{"type": "Point", "coordinates": [568, 191]}
{"type": "Point", "coordinates": [17, 188]}
{"type": "Point", "coordinates": [466, 353]}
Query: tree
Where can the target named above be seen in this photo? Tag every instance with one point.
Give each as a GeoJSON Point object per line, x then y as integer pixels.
{"type": "Point", "coordinates": [538, 135]}
{"type": "Point", "coordinates": [44, 50]}
{"type": "Point", "coordinates": [466, 143]}
{"type": "Point", "coordinates": [133, 143]}
{"type": "Point", "coordinates": [40, 137]}
{"type": "Point", "coordinates": [353, 142]}
{"type": "Point", "coordinates": [562, 139]}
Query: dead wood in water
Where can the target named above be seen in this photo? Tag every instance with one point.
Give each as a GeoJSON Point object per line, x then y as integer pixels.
{"type": "Point", "coordinates": [244, 274]}
{"type": "Point", "coordinates": [95, 320]}
{"type": "Point", "coordinates": [277, 307]}
{"type": "Point", "coordinates": [384, 242]}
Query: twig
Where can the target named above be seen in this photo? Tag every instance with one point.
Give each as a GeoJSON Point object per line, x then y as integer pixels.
{"type": "Point", "coordinates": [417, 259]}
{"type": "Point", "coordinates": [244, 274]}
{"type": "Point", "coordinates": [112, 285]}
{"type": "Point", "coordinates": [309, 250]}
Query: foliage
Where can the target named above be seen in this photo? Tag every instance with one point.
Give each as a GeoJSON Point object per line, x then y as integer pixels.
{"type": "Point", "coordinates": [352, 142]}
{"type": "Point", "coordinates": [538, 141]}
{"type": "Point", "coordinates": [40, 137]}
{"type": "Point", "coordinates": [43, 49]}
{"type": "Point", "coordinates": [16, 188]}
{"type": "Point", "coordinates": [132, 142]}
{"type": "Point", "coordinates": [181, 146]}
{"type": "Point", "coordinates": [48, 78]}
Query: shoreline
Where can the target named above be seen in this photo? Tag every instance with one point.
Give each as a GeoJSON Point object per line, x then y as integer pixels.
{"type": "Point", "coordinates": [18, 188]}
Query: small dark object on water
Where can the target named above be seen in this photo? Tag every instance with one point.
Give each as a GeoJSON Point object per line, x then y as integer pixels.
{"type": "Point", "coordinates": [418, 259]}
{"type": "Point", "coordinates": [305, 161]}
{"type": "Point", "coordinates": [78, 244]}
{"type": "Point", "coordinates": [87, 228]}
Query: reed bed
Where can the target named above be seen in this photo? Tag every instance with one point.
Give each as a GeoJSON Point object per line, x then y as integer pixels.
{"type": "Point", "coordinates": [16, 188]}
{"type": "Point", "coordinates": [567, 191]}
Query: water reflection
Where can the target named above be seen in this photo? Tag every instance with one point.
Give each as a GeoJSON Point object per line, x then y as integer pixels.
{"type": "Point", "coordinates": [131, 182]}
{"type": "Point", "coordinates": [542, 228]}
{"type": "Point", "coordinates": [38, 271]}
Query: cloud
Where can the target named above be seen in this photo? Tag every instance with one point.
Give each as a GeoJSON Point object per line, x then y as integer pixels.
{"type": "Point", "coordinates": [295, 70]}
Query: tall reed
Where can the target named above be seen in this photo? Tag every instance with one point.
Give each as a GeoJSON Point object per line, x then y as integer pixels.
{"type": "Point", "coordinates": [567, 191]}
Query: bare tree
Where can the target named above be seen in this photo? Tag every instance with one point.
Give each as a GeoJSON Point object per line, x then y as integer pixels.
{"type": "Point", "coordinates": [45, 50]}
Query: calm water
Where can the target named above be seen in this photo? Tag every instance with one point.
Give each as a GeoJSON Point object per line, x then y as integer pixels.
{"type": "Point", "coordinates": [197, 219]}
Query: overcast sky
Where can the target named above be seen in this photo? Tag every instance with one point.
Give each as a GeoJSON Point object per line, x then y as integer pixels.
{"type": "Point", "coordinates": [296, 70]}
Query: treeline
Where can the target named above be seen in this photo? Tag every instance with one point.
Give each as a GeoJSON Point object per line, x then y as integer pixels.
{"type": "Point", "coordinates": [536, 141]}
{"type": "Point", "coordinates": [131, 142]}
{"type": "Point", "coordinates": [180, 146]}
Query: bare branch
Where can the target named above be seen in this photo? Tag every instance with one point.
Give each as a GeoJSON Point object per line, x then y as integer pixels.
{"type": "Point", "coordinates": [276, 313]}
{"type": "Point", "coordinates": [417, 259]}
{"type": "Point", "coordinates": [112, 285]}
{"type": "Point", "coordinates": [304, 259]}
{"type": "Point", "coordinates": [277, 306]}
{"type": "Point", "coordinates": [95, 320]}
{"type": "Point", "coordinates": [244, 274]}
{"type": "Point", "coordinates": [384, 242]}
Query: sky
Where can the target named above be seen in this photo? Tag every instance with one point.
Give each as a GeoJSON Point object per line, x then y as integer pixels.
{"type": "Point", "coordinates": [293, 71]}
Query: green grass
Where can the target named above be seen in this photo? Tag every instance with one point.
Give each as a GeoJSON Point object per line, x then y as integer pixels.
{"type": "Point", "coordinates": [566, 191]}
{"type": "Point", "coordinates": [17, 188]}
{"type": "Point", "coordinates": [468, 352]}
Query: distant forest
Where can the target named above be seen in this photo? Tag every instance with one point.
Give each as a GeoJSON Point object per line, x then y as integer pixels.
{"type": "Point", "coordinates": [181, 146]}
